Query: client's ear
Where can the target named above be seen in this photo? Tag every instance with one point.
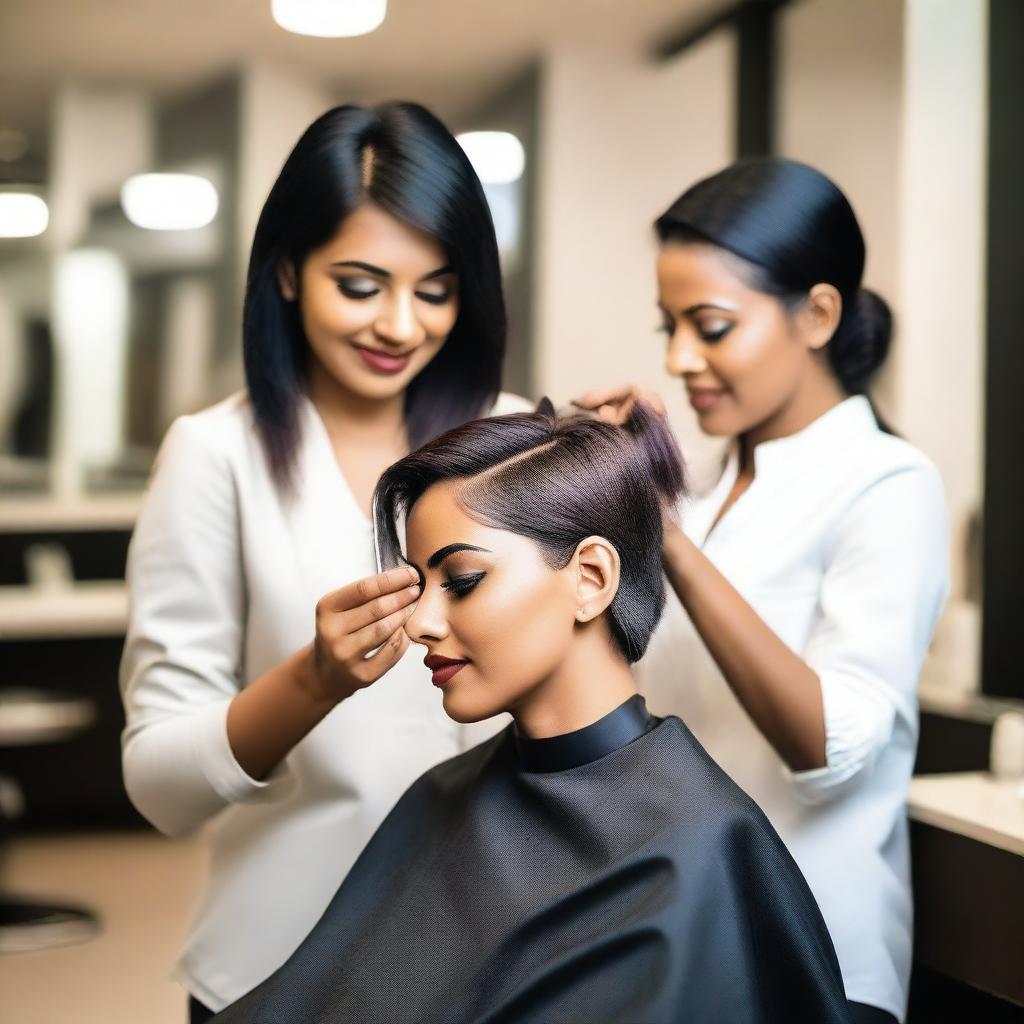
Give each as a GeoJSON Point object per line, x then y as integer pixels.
{"type": "Point", "coordinates": [597, 577]}
{"type": "Point", "coordinates": [286, 280]}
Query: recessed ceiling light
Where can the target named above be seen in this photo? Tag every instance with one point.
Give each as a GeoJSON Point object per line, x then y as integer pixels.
{"type": "Point", "coordinates": [169, 202]}
{"type": "Point", "coordinates": [497, 157]}
{"type": "Point", "coordinates": [329, 18]}
{"type": "Point", "coordinates": [23, 214]}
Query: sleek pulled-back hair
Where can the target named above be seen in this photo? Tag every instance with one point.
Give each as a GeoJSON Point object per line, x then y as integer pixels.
{"type": "Point", "coordinates": [402, 158]}
{"type": "Point", "coordinates": [795, 229]}
{"type": "Point", "coordinates": [556, 481]}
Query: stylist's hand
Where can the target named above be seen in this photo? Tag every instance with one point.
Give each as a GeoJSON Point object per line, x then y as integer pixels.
{"type": "Point", "coordinates": [353, 621]}
{"type": "Point", "coordinates": [615, 404]}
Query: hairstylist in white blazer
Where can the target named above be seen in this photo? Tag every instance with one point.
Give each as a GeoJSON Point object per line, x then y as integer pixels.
{"type": "Point", "coordinates": [809, 580]}
{"type": "Point", "coordinates": [373, 320]}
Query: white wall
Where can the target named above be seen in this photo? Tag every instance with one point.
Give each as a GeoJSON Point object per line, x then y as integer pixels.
{"type": "Point", "coordinates": [940, 359]}
{"type": "Point", "coordinates": [839, 108]}
{"type": "Point", "coordinates": [620, 139]}
{"type": "Point", "coordinates": [888, 98]}
{"type": "Point", "coordinates": [276, 109]}
{"type": "Point", "coordinates": [99, 137]}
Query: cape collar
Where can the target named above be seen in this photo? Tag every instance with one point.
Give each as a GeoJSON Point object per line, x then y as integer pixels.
{"type": "Point", "coordinates": [626, 723]}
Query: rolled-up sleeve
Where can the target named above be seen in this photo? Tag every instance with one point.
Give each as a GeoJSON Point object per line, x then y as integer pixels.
{"type": "Point", "coordinates": [884, 586]}
{"type": "Point", "coordinates": [182, 659]}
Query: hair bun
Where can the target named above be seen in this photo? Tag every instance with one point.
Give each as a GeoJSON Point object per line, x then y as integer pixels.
{"type": "Point", "coordinates": [860, 345]}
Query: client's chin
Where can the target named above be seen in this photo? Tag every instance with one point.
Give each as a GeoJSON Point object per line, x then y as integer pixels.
{"type": "Point", "coordinates": [464, 706]}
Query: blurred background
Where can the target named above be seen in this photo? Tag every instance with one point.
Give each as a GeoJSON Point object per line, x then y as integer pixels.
{"type": "Point", "coordinates": [120, 307]}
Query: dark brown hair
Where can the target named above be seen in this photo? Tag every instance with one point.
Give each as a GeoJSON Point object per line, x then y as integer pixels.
{"type": "Point", "coordinates": [556, 481]}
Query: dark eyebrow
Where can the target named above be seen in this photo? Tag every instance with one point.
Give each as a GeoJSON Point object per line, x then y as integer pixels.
{"type": "Point", "coordinates": [440, 272]}
{"type": "Point", "coordinates": [381, 272]}
{"type": "Point", "coordinates": [450, 549]}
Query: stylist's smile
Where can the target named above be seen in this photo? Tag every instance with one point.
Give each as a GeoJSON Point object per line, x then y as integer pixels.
{"type": "Point", "coordinates": [383, 362]}
{"type": "Point", "coordinates": [703, 398]}
{"type": "Point", "coordinates": [443, 668]}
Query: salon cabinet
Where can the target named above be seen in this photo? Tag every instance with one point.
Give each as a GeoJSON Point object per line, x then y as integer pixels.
{"type": "Point", "coordinates": [967, 845]}
{"type": "Point", "coordinates": [65, 636]}
{"type": "Point", "coordinates": [967, 842]}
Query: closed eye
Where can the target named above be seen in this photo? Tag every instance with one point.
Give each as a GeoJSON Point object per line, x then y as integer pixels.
{"type": "Point", "coordinates": [460, 586]}
{"type": "Point", "coordinates": [716, 333]}
{"type": "Point", "coordinates": [358, 288]}
{"type": "Point", "coordinates": [434, 298]}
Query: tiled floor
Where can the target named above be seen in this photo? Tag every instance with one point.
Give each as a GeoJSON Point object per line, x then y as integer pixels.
{"type": "Point", "coordinates": [144, 887]}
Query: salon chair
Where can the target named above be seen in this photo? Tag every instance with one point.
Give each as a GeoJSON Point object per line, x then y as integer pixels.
{"type": "Point", "coordinates": [29, 717]}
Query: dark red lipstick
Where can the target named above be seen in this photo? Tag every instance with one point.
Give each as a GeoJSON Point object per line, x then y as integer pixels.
{"type": "Point", "coordinates": [442, 668]}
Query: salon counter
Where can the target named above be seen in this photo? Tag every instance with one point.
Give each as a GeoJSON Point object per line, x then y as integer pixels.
{"type": "Point", "coordinates": [967, 839]}
{"type": "Point", "coordinates": [973, 805]}
{"type": "Point", "coordinates": [82, 609]}
{"type": "Point", "coordinates": [967, 842]}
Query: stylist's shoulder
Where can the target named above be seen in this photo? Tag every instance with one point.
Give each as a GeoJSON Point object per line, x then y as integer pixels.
{"type": "Point", "coordinates": [903, 514]}
{"type": "Point", "coordinates": [908, 470]}
{"type": "Point", "coordinates": [193, 481]}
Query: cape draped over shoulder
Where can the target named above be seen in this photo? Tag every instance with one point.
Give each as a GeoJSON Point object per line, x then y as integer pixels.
{"type": "Point", "coordinates": [639, 886]}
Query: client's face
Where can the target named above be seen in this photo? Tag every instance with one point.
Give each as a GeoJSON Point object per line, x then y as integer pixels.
{"type": "Point", "coordinates": [495, 618]}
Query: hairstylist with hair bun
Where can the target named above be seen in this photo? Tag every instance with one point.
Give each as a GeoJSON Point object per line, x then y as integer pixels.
{"type": "Point", "coordinates": [265, 680]}
{"type": "Point", "coordinates": [809, 579]}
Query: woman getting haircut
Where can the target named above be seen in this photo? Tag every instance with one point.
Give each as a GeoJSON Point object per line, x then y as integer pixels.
{"type": "Point", "coordinates": [373, 321]}
{"type": "Point", "coordinates": [590, 863]}
{"type": "Point", "coordinates": [808, 580]}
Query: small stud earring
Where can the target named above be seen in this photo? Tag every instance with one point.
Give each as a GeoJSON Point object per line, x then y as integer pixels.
{"type": "Point", "coordinates": [579, 613]}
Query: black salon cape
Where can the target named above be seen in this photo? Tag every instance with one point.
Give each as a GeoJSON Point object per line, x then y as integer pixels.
{"type": "Point", "coordinates": [638, 888]}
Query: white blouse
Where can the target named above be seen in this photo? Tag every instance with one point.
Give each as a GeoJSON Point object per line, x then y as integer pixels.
{"type": "Point", "coordinates": [841, 545]}
{"type": "Point", "coordinates": [224, 575]}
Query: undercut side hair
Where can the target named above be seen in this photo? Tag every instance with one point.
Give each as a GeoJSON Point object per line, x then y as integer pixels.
{"type": "Point", "coordinates": [556, 480]}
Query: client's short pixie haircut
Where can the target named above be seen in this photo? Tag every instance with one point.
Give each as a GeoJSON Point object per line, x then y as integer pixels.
{"type": "Point", "coordinates": [556, 480]}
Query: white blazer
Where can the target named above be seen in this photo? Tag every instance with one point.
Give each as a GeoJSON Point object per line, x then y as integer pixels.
{"type": "Point", "coordinates": [841, 545]}
{"type": "Point", "coordinates": [224, 575]}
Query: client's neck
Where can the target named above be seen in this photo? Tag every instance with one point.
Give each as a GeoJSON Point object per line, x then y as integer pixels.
{"type": "Point", "coordinates": [589, 684]}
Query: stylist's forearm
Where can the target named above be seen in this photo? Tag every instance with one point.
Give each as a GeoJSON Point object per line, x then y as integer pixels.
{"type": "Point", "coordinates": [274, 712]}
{"type": "Point", "coordinates": [779, 691]}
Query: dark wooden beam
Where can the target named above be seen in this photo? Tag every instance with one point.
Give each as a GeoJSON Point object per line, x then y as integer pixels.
{"type": "Point", "coordinates": [755, 78]}
{"type": "Point", "coordinates": [1003, 532]}
{"type": "Point", "coordinates": [672, 45]}
{"type": "Point", "coordinates": [754, 22]}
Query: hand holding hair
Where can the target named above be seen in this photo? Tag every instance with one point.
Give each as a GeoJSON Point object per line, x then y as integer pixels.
{"type": "Point", "coordinates": [614, 404]}
{"type": "Point", "coordinates": [779, 691]}
{"type": "Point", "coordinates": [275, 711]}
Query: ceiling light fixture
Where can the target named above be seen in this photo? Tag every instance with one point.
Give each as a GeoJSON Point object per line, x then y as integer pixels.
{"type": "Point", "coordinates": [23, 213]}
{"type": "Point", "coordinates": [169, 202]}
{"type": "Point", "coordinates": [329, 18]}
{"type": "Point", "coordinates": [497, 157]}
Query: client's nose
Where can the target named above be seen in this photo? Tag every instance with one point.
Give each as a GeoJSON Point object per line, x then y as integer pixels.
{"type": "Point", "coordinates": [428, 624]}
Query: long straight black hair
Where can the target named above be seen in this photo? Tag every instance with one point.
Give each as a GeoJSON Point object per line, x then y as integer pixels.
{"type": "Point", "coordinates": [556, 481]}
{"type": "Point", "coordinates": [420, 175]}
{"type": "Point", "coordinates": [794, 229]}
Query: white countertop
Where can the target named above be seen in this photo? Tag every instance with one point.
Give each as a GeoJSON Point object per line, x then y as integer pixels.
{"type": "Point", "coordinates": [84, 609]}
{"type": "Point", "coordinates": [45, 513]}
{"type": "Point", "coordinates": [972, 804]}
